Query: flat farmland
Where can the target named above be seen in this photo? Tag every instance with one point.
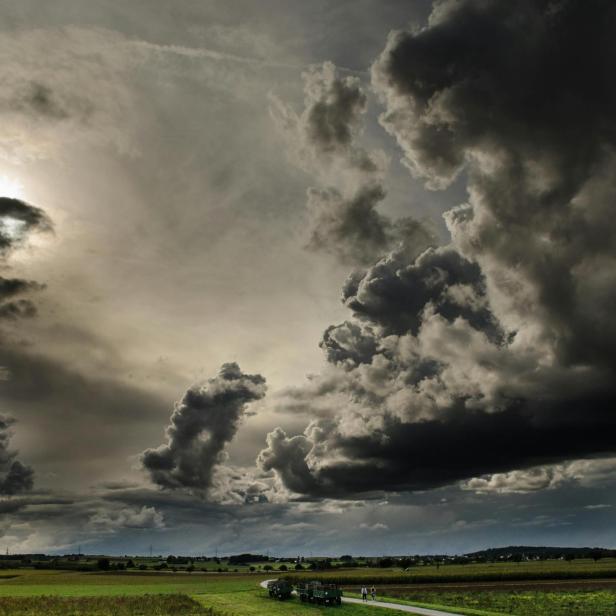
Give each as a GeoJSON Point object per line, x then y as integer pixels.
{"type": "Point", "coordinates": [28, 582]}
{"type": "Point", "coordinates": [26, 592]}
{"type": "Point", "coordinates": [146, 605]}
{"type": "Point", "coordinates": [30, 592]}
{"type": "Point", "coordinates": [556, 602]}
{"type": "Point", "coordinates": [489, 572]}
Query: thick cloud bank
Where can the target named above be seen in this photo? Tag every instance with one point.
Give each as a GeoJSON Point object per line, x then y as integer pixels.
{"type": "Point", "coordinates": [496, 352]}
{"type": "Point", "coordinates": [203, 422]}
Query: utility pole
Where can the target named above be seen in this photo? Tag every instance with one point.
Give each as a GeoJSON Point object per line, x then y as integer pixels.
{"type": "Point", "coordinates": [150, 551]}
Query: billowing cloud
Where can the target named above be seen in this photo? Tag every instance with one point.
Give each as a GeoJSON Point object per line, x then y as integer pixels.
{"type": "Point", "coordinates": [15, 477]}
{"type": "Point", "coordinates": [203, 422]}
{"type": "Point", "coordinates": [586, 473]}
{"type": "Point", "coordinates": [325, 138]}
{"type": "Point", "coordinates": [494, 354]}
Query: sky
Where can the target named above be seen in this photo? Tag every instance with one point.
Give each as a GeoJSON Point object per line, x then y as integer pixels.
{"type": "Point", "coordinates": [314, 277]}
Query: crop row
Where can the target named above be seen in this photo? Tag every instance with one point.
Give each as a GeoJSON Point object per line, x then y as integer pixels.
{"type": "Point", "coordinates": [485, 576]}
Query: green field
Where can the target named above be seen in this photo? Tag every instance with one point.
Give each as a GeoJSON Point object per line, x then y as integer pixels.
{"type": "Point", "coordinates": [531, 570]}
{"type": "Point", "coordinates": [30, 592]}
{"type": "Point", "coordinates": [28, 582]}
{"type": "Point", "coordinates": [147, 605]}
{"type": "Point", "coordinates": [257, 603]}
{"type": "Point", "coordinates": [518, 603]}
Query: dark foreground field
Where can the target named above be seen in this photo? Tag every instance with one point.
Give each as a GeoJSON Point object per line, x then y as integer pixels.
{"type": "Point", "coordinates": [146, 605]}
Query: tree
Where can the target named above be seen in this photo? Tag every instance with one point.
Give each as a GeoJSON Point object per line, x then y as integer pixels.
{"type": "Point", "coordinates": [103, 564]}
{"type": "Point", "coordinates": [298, 567]}
{"type": "Point", "coordinates": [282, 568]}
{"type": "Point", "coordinates": [596, 555]}
{"type": "Point", "coordinates": [267, 567]}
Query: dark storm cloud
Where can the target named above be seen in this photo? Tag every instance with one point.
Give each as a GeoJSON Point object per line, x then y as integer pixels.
{"type": "Point", "coordinates": [343, 216]}
{"type": "Point", "coordinates": [15, 307]}
{"type": "Point", "coordinates": [429, 454]}
{"type": "Point", "coordinates": [352, 230]}
{"type": "Point", "coordinates": [333, 115]}
{"type": "Point", "coordinates": [394, 293]}
{"type": "Point", "coordinates": [15, 477]}
{"type": "Point", "coordinates": [17, 220]}
{"type": "Point", "coordinates": [523, 100]}
{"type": "Point", "coordinates": [488, 75]}
{"type": "Point", "coordinates": [203, 422]}
{"type": "Point", "coordinates": [496, 352]}
{"type": "Point", "coordinates": [349, 343]}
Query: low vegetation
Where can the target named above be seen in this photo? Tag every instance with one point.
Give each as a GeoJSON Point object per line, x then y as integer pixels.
{"type": "Point", "coordinates": [520, 603]}
{"type": "Point", "coordinates": [147, 605]}
{"type": "Point", "coordinates": [481, 572]}
{"type": "Point", "coordinates": [257, 603]}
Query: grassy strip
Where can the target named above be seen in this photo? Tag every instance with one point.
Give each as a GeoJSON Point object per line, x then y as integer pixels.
{"type": "Point", "coordinates": [257, 603]}
{"type": "Point", "coordinates": [465, 611]}
{"type": "Point", "coordinates": [525, 603]}
{"type": "Point", "coordinates": [63, 583]}
{"type": "Point", "coordinates": [146, 605]}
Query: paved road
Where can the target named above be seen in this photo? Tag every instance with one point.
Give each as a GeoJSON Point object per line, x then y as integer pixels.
{"type": "Point", "coordinates": [402, 608]}
{"type": "Point", "coordinates": [424, 611]}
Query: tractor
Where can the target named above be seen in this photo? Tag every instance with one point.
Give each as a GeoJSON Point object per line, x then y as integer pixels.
{"type": "Point", "coordinates": [317, 592]}
{"type": "Point", "coordinates": [279, 589]}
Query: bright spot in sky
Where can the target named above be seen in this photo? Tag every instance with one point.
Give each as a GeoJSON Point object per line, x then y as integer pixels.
{"type": "Point", "coordinates": [11, 187]}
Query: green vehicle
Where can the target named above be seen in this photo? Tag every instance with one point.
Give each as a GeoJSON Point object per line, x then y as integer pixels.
{"type": "Point", "coordinates": [316, 592]}
{"type": "Point", "coordinates": [279, 589]}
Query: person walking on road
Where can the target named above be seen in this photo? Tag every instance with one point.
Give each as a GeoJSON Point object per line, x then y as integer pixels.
{"type": "Point", "coordinates": [364, 593]}
{"type": "Point", "coordinates": [373, 593]}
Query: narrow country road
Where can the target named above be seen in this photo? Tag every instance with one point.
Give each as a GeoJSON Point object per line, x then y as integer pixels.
{"type": "Point", "coordinates": [423, 611]}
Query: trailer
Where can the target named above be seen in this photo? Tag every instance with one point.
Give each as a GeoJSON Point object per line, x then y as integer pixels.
{"type": "Point", "coordinates": [279, 589]}
{"type": "Point", "coordinates": [317, 592]}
